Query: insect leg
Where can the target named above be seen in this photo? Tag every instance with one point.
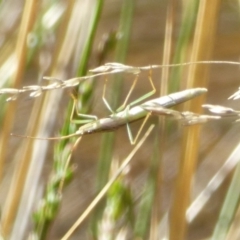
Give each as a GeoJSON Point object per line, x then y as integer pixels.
{"type": "Point", "coordinates": [134, 140]}
{"type": "Point", "coordinates": [104, 98]}
{"type": "Point", "coordinates": [126, 99]}
{"type": "Point", "coordinates": [75, 110]}
{"type": "Point", "coordinates": [130, 92]}
{"type": "Point", "coordinates": [141, 98]}
{"type": "Point", "coordinates": [130, 136]}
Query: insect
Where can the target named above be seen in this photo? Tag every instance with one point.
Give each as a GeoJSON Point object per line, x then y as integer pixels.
{"type": "Point", "coordinates": [132, 114]}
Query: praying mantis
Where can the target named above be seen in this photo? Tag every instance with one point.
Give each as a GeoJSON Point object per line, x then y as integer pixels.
{"type": "Point", "coordinates": [128, 115]}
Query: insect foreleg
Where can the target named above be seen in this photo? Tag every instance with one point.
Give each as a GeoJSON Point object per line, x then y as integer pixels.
{"type": "Point", "coordinates": [88, 117]}
{"type": "Point", "coordinates": [104, 98]}
{"type": "Point", "coordinates": [129, 94]}
{"type": "Point", "coordinates": [147, 95]}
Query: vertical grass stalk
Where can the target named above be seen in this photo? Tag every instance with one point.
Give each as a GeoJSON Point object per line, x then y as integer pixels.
{"type": "Point", "coordinates": [63, 150]}
{"type": "Point", "coordinates": [108, 138]}
{"type": "Point", "coordinates": [190, 142]}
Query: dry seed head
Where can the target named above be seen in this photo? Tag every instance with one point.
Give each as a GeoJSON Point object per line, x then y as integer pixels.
{"type": "Point", "coordinates": [13, 91]}
{"type": "Point", "coordinates": [35, 93]}
{"type": "Point", "coordinates": [54, 85]}
{"type": "Point", "coordinates": [73, 82]}
{"type": "Point", "coordinates": [217, 109]}
{"type": "Point", "coordinates": [13, 98]}
{"type": "Point", "coordinates": [115, 68]}
{"type": "Point", "coordinates": [32, 87]}
{"type": "Point", "coordinates": [9, 91]}
{"type": "Point", "coordinates": [190, 118]}
{"type": "Point", "coordinates": [100, 69]}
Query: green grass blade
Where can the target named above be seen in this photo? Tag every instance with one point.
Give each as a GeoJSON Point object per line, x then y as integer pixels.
{"type": "Point", "coordinates": [108, 138]}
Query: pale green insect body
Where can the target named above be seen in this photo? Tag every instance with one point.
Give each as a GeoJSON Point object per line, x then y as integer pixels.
{"type": "Point", "coordinates": [135, 113]}
{"type": "Point", "coordinates": [130, 114]}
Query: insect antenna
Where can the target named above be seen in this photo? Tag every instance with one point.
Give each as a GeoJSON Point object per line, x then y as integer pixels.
{"type": "Point", "coordinates": [42, 138]}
